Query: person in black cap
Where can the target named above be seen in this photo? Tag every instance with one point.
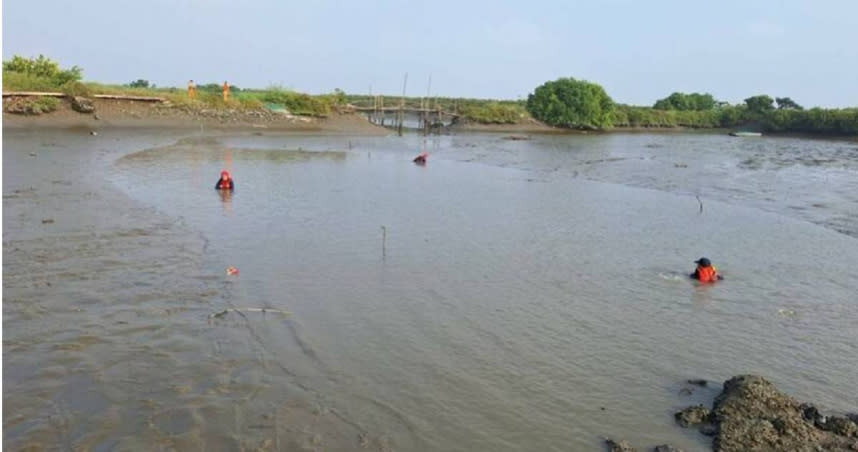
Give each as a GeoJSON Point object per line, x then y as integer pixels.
{"type": "Point", "coordinates": [705, 271]}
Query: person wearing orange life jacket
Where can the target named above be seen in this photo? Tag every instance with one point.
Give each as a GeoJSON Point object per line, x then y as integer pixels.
{"type": "Point", "coordinates": [705, 271]}
{"type": "Point", "coordinates": [225, 182]}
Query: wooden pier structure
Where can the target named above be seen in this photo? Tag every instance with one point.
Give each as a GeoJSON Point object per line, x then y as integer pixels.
{"type": "Point", "coordinates": [429, 118]}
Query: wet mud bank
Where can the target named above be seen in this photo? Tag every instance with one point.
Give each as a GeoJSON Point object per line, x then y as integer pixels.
{"type": "Point", "coordinates": [108, 340]}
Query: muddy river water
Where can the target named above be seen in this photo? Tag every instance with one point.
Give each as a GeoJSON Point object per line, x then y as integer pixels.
{"type": "Point", "coordinates": [509, 295]}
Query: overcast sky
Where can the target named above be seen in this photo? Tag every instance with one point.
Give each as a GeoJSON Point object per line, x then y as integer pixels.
{"type": "Point", "coordinates": [638, 50]}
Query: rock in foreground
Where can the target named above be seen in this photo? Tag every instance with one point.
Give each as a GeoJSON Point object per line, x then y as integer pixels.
{"type": "Point", "coordinates": [692, 415]}
{"type": "Point", "coordinates": [619, 446]}
{"type": "Point", "coordinates": [666, 448]}
{"type": "Point", "coordinates": [82, 104]}
{"type": "Point", "coordinates": [750, 414]}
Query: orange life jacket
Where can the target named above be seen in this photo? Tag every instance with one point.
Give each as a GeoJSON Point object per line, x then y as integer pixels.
{"type": "Point", "coordinates": [707, 274]}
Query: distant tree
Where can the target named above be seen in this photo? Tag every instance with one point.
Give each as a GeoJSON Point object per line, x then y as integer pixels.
{"type": "Point", "coordinates": [139, 83]}
{"type": "Point", "coordinates": [339, 96]}
{"type": "Point", "coordinates": [686, 102]}
{"type": "Point", "coordinates": [731, 116]}
{"type": "Point", "coordinates": [676, 101]}
{"type": "Point", "coordinates": [702, 102]}
{"type": "Point", "coordinates": [785, 103]}
{"type": "Point", "coordinates": [567, 102]}
{"type": "Point", "coordinates": [760, 104]}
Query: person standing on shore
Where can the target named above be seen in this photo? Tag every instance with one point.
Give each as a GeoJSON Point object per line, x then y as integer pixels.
{"type": "Point", "coordinates": [192, 90]}
{"type": "Point", "coordinates": [225, 91]}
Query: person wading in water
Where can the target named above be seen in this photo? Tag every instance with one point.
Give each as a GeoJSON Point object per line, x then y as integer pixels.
{"type": "Point", "coordinates": [705, 271]}
{"type": "Point", "coordinates": [225, 182]}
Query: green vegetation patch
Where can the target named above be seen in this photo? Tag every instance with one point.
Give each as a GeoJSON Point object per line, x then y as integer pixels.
{"type": "Point", "coordinates": [571, 103]}
{"type": "Point", "coordinates": [37, 74]}
{"type": "Point", "coordinates": [32, 105]}
{"type": "Point", "coordinates": [493, 112]}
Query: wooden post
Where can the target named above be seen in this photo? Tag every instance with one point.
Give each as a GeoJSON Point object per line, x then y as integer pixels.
{"type": "Point", "coordinates": [426, 115]}
{"type": "Point", "coordinates": [402, 104]}
{"type": "Point", "coordinates": [422, 115]}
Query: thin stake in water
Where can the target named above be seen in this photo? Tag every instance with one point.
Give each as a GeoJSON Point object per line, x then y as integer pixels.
{"type": "Point", "coordinates": [383, 242]}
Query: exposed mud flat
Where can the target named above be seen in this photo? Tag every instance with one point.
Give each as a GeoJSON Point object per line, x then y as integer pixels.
{"type": "Point", "coordinates": [108, 341]}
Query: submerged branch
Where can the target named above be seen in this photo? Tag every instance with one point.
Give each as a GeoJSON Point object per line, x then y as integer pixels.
{"type": "Point", "coordinates": [221, 314]}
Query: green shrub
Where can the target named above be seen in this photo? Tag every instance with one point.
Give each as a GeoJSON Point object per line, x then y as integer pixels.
{"type": "Point", "coordinates": [492, 112]}
{"type": "Point", "coordinates": [42, 67]}
{"type": "Point", "coordinates": [686, 102]}
{"type": "Point", "coordinates": [567, 102]}
{"type": "Point", "coordinates": [250, 103]}
{"type": "Point", "coordinates": [75, 89]}
{"type": "Point", "coordinates": [32, 105]}
{"type": "Point", "coordinates": [46, 104]}
{"type": "Point", "coordinates": [297, 103]}
{"type": "Point", "coordinates": [139, 83]}
{"type": "Point", "coordinates": [17, 81]}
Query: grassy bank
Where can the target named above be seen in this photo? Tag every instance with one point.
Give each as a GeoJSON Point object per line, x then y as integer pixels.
{"type": "Point", "coordinates": [815, 121]}
{"type": "Point", "coordinates": [274, 98]}
{"type": "Point", "coordinates": [481, 111]}
{"type": "Point", "coordinates": [43, 74]}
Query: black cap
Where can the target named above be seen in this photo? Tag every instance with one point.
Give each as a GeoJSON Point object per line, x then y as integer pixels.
{"type": "Point", "coordinates": [703, 262]}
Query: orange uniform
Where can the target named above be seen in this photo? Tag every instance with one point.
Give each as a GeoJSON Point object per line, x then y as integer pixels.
{"type": "Point", "coordinates": [705, 271]}
{"type": "Point", "coordinates": [707, 274]}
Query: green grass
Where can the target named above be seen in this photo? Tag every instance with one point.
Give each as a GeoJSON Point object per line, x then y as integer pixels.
{"type": "Point", "coordinates": [76, 89]}
{"type": "Point", "coordinates": [484, 111]}
{"type": "Point", "coordinates": [45, 104]}
{"type": "Point", "coordinates": [17, 81]}
{"type": "Point", "coordinates": [296, 103]}
{"type": "Point", "coordinates": [494, 113]}
{"type": "Point", "coordinates": [33, 105]}
{"type": "Point", "coordinates": [478, 110]}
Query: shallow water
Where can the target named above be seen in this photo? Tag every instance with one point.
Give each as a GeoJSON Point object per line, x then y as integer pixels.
{"type": "Point", "coordinates": [522, 295]}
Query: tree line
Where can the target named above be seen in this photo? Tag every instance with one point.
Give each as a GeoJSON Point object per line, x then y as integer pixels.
{"type": "Point", "coordinates": [579, 104]}
{"type": "Point", "coordinates": [565, 102]}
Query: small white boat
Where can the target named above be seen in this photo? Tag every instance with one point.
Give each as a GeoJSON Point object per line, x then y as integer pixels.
{"type": "Point", "coordinates": [746, 134]}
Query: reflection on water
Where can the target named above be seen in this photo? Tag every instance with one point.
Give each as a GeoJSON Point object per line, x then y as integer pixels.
{"type": "Point", "coordinates": [522, 294]}
{"type": "Point", "coordinates": [226, 200]}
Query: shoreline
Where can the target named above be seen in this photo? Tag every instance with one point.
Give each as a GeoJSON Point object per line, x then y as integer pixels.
{"type": "Point", "coordinates": [128, 114]}
{"type": "Point", "coordinates": [123, 114]}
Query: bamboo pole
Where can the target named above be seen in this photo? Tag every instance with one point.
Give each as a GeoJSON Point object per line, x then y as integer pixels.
{"type": "Point", "coordinates": [426, 115]}
{"type": "Point", "coordinates": [402, 104]}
